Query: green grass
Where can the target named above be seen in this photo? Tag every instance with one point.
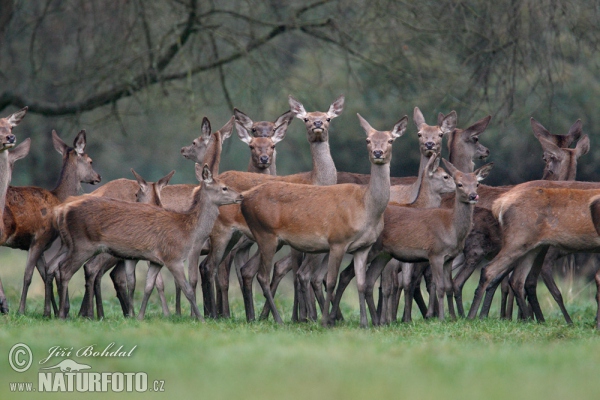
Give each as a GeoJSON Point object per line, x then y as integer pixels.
{"type": "Point", "coordinates": [490, 359]}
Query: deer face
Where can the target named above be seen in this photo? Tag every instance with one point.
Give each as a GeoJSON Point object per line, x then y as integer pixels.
{"type": "Point", "coordinates": [561, 164]}
{"type": "Point", "coordinates": [261, 151]}
{"type": "Point", "coordinates": [85, 170]}
{"type": "Point", "coordinates": [261, 136]}
{"type": "Point", "coordinates": [379, 143]}
{"type": "Point", "coordinates": [7, 139]}
{"type": "Point", "coordinates": [467, 183]}
{"type": "Point", "coordinates": [197, 150]}
{"type": "Point", "coordinates": [316, 122]}
{"type": "Point", "coordinates": [439, 180]}
{"type": "Point", "coordinates": [218, 192]}
{"type": "Point", "coordinates": [430, 137]}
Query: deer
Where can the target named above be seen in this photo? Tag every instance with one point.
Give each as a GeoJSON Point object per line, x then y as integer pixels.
{"type": "Point", "coordinates": [18, 152]}
{"type": "Point", "coordinates": [139, 231]}
{"type": "Point", "coordinates": [350, 219]}
{"type": "Point", "coordinates": [463, 147]}
{"type": "Point", "coordinates": [28, 209]}
{"type": "Point", "coordinates": [148, 193]}
{"type": "Point", "coordinates": [231, 223]}
{"type": "Point", "coordinates": [403, 190]}
{"type": "Point", "coordinates": [595, 212]}
{"type": "Point", "coordinates": [561, 219]}
{"type": "Point", "coordinates": [485, 237]}
{"type": "Point", "coordinates": [206, 149]}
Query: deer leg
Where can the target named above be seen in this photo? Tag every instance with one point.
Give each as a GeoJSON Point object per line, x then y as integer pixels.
{"type": "Point", "coordinates": [505, 291]}
{"type": "Point", "coordinates": [51, 271]}
{"type": "Point", "coordinates": [153, 270]}
{"type": "Point", "coordinates": [3, 302]}
{"type": "Point", "coordinates": [345, 278]}
{"type": "Point", "coordinates": [493, 273]}
{"type": "Point", "coordinates": [320, 262]}
{"type": "Point", "coordinates": [448, 288]}
{"type": "Point", "coordinates": [282, 267]}
{"type": "Point", "coordinates": [597, 279]}
{"type": "Point", "coordinates": [248, 271]}
{"type": "Point", "coordinates": [389, 278]}
{"type": "Point", "coordinates": [531, 280]}
{"type": "Point", "coordinates": [372, 274]}
{"type": "Point", "coordinates": [268, 247]}
{"type": "Point", "coordinates": [33, 254]}
{"type": "Point", "coordinates": [438, 286]}
{"type": "Point", "coordinates": [177, 270]}
{"type": "Point", "coordinates": [119, 279]}
{"type": "Point", "coordinates": [67, 268]}
{"type": "Point", "coordinates": [336, 253]}
{"type": "Point", "coordinates": [360, 266]}
{"type": "Point", "coordinates": [303, 277]}
{"type": "Point", "coordinates": [160, 288]}
{"type": "Point", "coordinates": [193, 270]}
{"type": "Point", "coordinates": [548, 278]}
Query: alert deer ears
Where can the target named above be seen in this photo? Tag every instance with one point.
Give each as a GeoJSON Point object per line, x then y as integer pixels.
{"type": "Point", "coordinates": [432, 164]}
{"type": "Point", "coordinates": [205, 128]}
{"type": "Point", "coordinates": [15, 118]}
{"type": "Point", "coordinates": [164, 181]}
{"type": "Point", "coordinates": [19, 151]}
{"type": "Point", "coordinates": [206, 174]}
{"type": "Point", "coordinates": [296, 107]}
{"type": "Point", "coordinates": [418, 118]}
{"type": "Point", "coordinates": [399, 127]}
{"type": "Point", "coordinates": [449, 122]}
{"type": "Point", "coordinates": [336, 108]}
{"type": "Point", "coordinates": [141, 181]}
{"type": "Point", "coordinates": [285, 118]}
{"type": "Point", "coordinates": [79, 142]}
{"type": "Point", "coordinates": [226, 129]}
{"type": "Point", "coordinates": [482, 172]}
{"type": "Point", "coordinates": [478, 127]}
{"type": "Point", "coordinates": [583, 146]}
{"type": "Point", "coordinates": [59, 144]}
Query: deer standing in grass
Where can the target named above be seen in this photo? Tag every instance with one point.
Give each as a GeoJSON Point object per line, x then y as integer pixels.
{"type": "Point", "coordinates": [231, 223]}
{"type": "Point", "coordinates": [29, 208]}
{"type": "Point", "coordinates": [338, 219]}
{"type": "Point", "coordinates": [139, 231]}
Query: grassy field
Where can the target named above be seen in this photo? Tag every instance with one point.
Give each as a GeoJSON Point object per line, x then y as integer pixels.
{"type": "Point", "coordinates": [491, 359]}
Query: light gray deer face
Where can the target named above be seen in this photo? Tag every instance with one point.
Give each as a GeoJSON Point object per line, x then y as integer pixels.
{"type": "Point", "coordinates": [430, 137]}
{"type": "Point", "coordinates": [379, 143]}
{"type": "Point", "coordinates": [316, 122]}
{"type": "Point", "coordinates": [467, 183]}
{"type": "Point", "coordinates": [76, 154]}
{"type": "Point", "coordinates": [7, 139]}
{"type": "Point", "coordinates": [465, 143]}
{"type": "Point", "coordinates": [218, 193]}
{"type": "Point", "coordinates": [439, 180]}
{"type": "Point", "coordinates": [196, 152]}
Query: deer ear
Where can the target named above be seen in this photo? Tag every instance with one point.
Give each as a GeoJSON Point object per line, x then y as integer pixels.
{"type": "Point", "coordinates": [540, 132]}
{"type": "Point", "coordinates": [441, 117]}
{"type": "Point", "coordinates": [364, 124]}
{"type": "Point", "coordinates": [478, 127]}
{"type": "Point", "coordinates": [432, 164]}
{"type": "Point", "coordinates": [336, 108]}
{"type": "Point", "coordinates": [242, 132]}
{"type": "Point", "coordinates": [575, 131]}
{"type": "Point", "coordinates": [206, 174]}
{"type": "Point", "coordinates": [285, 118]}
{"type": "Point", "coordinates": [418, 118]}
{"type": "Point", "coordinates": [79, 142]}
{"type": "Point", "coordinates": [20, 151]}
{"type": "Point", "coordinates": [449, 122]}
{"type": "Point", "coordinates": [296, 107]}
{"type": "Point", "coordinates": [164, 181]}
{"type": "Point", "coordinates": [242, 119]}
{"type": "Point", "coordinates": [141, 181]}
{"type": "Point", "coordinates": [399, 127]}
{"type": "Point", "coordinates": [279, 133]}
{"type": "Point", "coordinates": [15, 118]}
{"type": "Point", "coordinates": [205, 128]}
{"type": "Point", "coordinates": [59, 144]}
{"type": "Point", "coordinates": [226, 129]}
{"type": "Point", "coordinates": [549, 146]}
{"type": "Point", "coordinates": [451, 168]}
{"type": "Point", "coordinates": [583, 146]}
{"type": "Point", "coordinates": [482, 172]}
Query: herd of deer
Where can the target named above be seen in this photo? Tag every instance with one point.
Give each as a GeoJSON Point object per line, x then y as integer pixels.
{"type": "Point", "coordinates": [398, 230]}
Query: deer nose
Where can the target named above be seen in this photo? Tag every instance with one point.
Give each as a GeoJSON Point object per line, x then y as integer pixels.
{"type": "Point", "coordinates": [429, 145]}
{"type": "Point", "coordinates": [378, 153]}
{"type": "Point", "coordinates": [473, 197]}
{"type": "Point", "coordinates": [318, 124]}
{"type": "Point", "coordinates": [264, 159]}
{"type": "Point", "coordinates": [11, 138]}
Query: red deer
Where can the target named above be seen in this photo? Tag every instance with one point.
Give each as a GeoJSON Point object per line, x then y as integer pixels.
{"type": "Point", "coordinates": [338, 219]}
{"type": "Point", "coordinates": [139, 231]}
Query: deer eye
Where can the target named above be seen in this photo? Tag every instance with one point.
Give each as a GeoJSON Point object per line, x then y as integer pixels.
{"type": "Point", "coordinates": [477, 184]}
{"type": "Point", "coordinates": [441, 135]}
{"type": "Point", "coordinates": [251, 147]}
{"type": "Point", "coordinates": [391, 141]}
{"type": "Point", "coordinates": [445, 176]}
{"type": "Point", "coordinates": [254, 130]}
{"type": "Point", "coordinates": [419, 134]}
{"type": "Point", "coordinates": [476, 139]}
{"type": "Point", "coordinates": [273, 146]}
{"type": "Point", "coordinates": [368, 141]}
{"type": "Point", "coordinates": [328, 119]}
{"type": "Point", "coordinates": [305, 119]}
{"type": "Point", "coordinates": [224, 189]}
{"type": "Point", "coordinates": [459, 185]}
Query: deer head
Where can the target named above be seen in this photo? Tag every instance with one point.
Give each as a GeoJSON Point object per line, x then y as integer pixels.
{"type": "Point", "coordinates": [76, 154]}
{"type": "Point", "coordinates": [7, 139]}
{"type": "Point", "coordinates": [439, 180]}
{"type": "Point", "coordinates": [464, 143]}
{"type": "Point", "coordinates": [430, 137]}
{"type": "Point", "coordinates": [261, 137]}
{"type": "Point", "coordinates": [217, 192]}
{"type": "Point", "coordinates": [379, 143]}
{"type": "Point", "coordinates": [316, 122]}
{"type": "Point", "coordinates": [149, 192]}
{"type": "Point", "coordinates": [561, 163]}
{"type": "Point", "coordinates": [562, 141]}
{"type": "Point", "coordinates": [197, 150]}
{"type": "Point", "coordinates": [467, 183]}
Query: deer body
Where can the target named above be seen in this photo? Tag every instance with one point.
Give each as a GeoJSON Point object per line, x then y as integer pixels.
{"type": "Point", "coordinates": [139, 231]}
{"type": "Point", "coordinates": [339, 218]}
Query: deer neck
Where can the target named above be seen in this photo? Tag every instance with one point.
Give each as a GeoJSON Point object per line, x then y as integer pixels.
{"type": "Point", "coordinates": [68, 183]}
{"type": "Point", "coordinates": [377, 195]}
{"type": "Point", "coordinates": [417, 187]}
{"type": "Point", "coordinates": [202, 215]}
{"type": "Point", "coordinates": [462, 218]}
{"type": "Point", "coordinates": [323, 172]}
{"type": "Point", "coordinates": [428, 198]}
{"type": "Point", "coordinates": [460, 161]}
{"type": "Point", "coordinates": [5, 175]}
{"type": "Point", "coordinates": [213, 154]}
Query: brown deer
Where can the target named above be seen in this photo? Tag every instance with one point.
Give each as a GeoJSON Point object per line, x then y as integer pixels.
{"type": "Point", "coordinates": [27, 214]}
{"type": "Point", "coordinates": [436, 235]}
{"type": "Point", "coordinates": [148, 193]}
{"type": "Point", "coordinates": [436, 182]}
{"type": "Point", "coordinates": [561, 219]}
{"type": "Point", "coordinates": [231, 224]}
{"type": "Point", "coordinates": [338, 219]}
{"type": "Point", "coordinates": [485, 237]}
{"type": "Point", "coordinates": [139, 231]}
{"type": "Point", "coordinates": [17, 153]}
{"type": "Point", "coordinates": [595, 211]}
